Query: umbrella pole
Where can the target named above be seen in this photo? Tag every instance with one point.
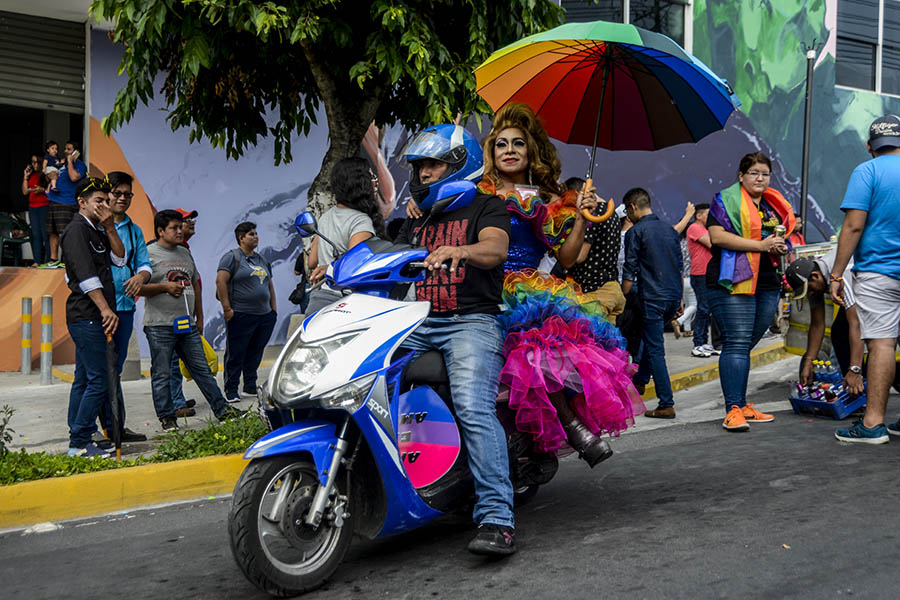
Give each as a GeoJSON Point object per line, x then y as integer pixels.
{"type": "Point", "coordinates": [590, 173]}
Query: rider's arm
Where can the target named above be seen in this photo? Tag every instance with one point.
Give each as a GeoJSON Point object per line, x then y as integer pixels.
{"type": "Point", "coordinates": [814, 338]}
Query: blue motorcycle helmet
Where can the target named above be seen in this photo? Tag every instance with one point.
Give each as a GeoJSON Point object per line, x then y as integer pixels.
{"type": "Point", "coordinates": [450, 144]}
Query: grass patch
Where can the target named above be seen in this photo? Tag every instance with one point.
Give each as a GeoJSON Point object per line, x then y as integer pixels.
{"type": "Point", "coordinates": [230, 437]}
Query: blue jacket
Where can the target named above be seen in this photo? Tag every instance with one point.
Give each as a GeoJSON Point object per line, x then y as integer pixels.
{"type": "Point", "coordinates": [653, 259]}
{"type": "Point", "coordinates": [136, 260]}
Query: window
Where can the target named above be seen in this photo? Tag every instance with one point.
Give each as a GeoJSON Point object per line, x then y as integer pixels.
{"type": "Point", "coordinates": [868, 45]}
{"type": "Point", "coordinates": [671, 18]}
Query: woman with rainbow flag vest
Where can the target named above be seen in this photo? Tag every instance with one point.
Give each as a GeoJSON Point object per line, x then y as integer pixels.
{"type": "Point", "coordinates": [746, 226]}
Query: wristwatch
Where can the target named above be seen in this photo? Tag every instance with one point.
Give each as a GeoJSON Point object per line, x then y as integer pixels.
{"type": "Point", "coordinates": [855, 369]}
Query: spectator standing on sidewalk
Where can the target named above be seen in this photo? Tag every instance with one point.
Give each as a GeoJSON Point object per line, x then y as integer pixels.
{"type": "Point", "coordinates": [63, 201]}
{"type": "Point", "coordinates": [245, 289]}
{"type": "Point", "coordinates": [699, 248]}
{"type": "Point", "coordinates": [33, 186]}
{"type": "Point", "coordinates": [742, 278]}
{"type": "Point", "coordinates": [91, 246]}
{"type": "Point", "coordinates": [185, 407]}
{"type": "Point", "coordinates": [653, 258]}
{"type": "Point", "coordinates": [871, 235]}
{"type": "Point", "coordinates": [128, 279]}
{"type": "Point", "coordinates": [174, 274]}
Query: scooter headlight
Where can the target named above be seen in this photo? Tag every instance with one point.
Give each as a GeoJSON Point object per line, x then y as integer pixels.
{"type": "Point", "coordinates": [349, 396]}
{"type": "Point", "coordinates": [304, 364]}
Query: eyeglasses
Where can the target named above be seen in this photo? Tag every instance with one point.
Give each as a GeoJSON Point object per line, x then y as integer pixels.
{"type": "Point", "coordinates": [188, 221]}
{"type": "Point", "coordinates": [757, 175]}
{"type": "Point", "coordinates": [126, 195]}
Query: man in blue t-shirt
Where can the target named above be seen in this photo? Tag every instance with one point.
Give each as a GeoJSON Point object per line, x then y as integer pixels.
{"type": "Point", "coordinates": [871, 236]}
{"type": "Point", "coordinates": [63, 203]}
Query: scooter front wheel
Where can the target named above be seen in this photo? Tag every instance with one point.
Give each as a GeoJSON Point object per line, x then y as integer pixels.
{"type": "Point", "coordinates": [273, 546]}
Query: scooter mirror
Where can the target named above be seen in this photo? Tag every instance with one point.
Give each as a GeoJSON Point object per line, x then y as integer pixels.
{"type": "Point", "coordinates": [305, 224]}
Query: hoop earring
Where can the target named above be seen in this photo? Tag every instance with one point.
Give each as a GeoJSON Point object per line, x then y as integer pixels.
{"type": "Point", "coordinates": [529, 176]}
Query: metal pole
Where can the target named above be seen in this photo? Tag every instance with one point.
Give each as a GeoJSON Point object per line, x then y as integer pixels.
{"type": "Point", "coordinates": [26, 336]}
{"type": "Point", "coordinates": [804, 177]}
{"type": "Point", "coordinates": [46, 340]}
{"type": "Point", "coordinates": [607, 65]}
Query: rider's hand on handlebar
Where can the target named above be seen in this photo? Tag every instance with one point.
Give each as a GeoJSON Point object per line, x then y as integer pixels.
{"type": "Point", "coordinates": [412, 209]}
{"type": "Point", "coordinates": [454, 254]}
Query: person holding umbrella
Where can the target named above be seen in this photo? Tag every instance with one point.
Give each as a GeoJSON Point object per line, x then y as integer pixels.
{"type": "Point", "coordinates": [568, 375]}
{"type": "Point", "coordinates": [91, 246]}
{"type": "Point", "coordinates": [746, 226]}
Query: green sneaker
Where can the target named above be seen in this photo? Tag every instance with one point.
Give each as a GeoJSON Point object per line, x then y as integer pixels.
{"type": "Point", "coordinates": [860, 434]}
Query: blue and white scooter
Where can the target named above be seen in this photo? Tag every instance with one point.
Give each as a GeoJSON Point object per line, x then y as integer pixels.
{"type": "Point", "coordinates": [364, 441]}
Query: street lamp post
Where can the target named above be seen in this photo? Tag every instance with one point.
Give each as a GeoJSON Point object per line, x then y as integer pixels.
{"type": "Point", "coordinates": [804, 177]}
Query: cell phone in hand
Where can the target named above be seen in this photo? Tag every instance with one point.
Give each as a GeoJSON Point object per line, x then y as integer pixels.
{"type": "Point", "coordinates": [75, 155]}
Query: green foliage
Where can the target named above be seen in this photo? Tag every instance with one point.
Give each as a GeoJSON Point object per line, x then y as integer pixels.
{"type": "Point", "coordinates": [230, 437]}
{"type": "Point", "coordinates": [5, 430]}
{"type": "Point", "coordinates": [237, 70]}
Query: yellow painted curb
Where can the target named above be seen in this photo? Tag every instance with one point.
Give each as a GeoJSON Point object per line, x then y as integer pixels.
{"type": "Point", "coordinates": [90, 494]}
{"type": "Point", "coordinates": [69, 377]}
{"type": "Point", "coordinates": [705, 373]}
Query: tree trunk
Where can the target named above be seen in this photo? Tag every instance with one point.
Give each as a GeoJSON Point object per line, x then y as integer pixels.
{"type": "Point", "coordinates": [349, 110]}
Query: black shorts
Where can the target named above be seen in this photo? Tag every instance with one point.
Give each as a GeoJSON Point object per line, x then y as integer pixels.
{"type": "Point", "coordinates": [58, 216]}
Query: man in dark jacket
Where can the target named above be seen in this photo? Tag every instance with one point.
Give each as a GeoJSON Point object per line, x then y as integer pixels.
{"type": "Point", "coordinates": [91, 245]}
{"type": "Point", "coordinates": [653, 258]}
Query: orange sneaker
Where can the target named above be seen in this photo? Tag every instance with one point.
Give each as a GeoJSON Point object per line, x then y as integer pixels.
{"type": "Point", "coordinates": [751, 414]}
{"type": "Point", "coordinates": [735, 421]}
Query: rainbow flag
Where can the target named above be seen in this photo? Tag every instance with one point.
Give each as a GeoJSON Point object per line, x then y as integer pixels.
{"type": "Point", "coordinates": [733, 208]}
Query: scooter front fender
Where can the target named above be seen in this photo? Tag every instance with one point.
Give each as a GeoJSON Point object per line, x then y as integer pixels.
{"type": "Point", "coordinates": [314, 437]}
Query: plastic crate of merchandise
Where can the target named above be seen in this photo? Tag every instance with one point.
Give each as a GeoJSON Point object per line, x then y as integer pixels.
{"type": "Point", "coordinates": [841, 407]}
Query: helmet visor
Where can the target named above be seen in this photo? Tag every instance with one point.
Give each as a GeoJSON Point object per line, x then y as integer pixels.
{"type": "Point", "coordinates": [427, 144]}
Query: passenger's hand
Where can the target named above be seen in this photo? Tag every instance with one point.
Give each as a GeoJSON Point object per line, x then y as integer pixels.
{"type": "Point", "coordinates": [228, 313]}
{"type": "Point", "coordinates": [854, 383]}
{"type": "Point", "coordinates": [452, 253]}
{"type": "Point", "coordinates": [133, 285]}
{"type": "Point", "coordinates": [806, 371]}
{"type": "Point", "coordinates": [588, 200]}
{"type": "Point", "coordinates": [110, 321]}
{"type": "Point", "coordinates": [412, 209]}
{"type": "Point", "coordinates": [773, 245]}
{"type": "Point", "coordinates": [174, 289]}
{"type": "Point", "coordinates": [318, 274]}
{"type": "Point", "coordinates": [837, 291]}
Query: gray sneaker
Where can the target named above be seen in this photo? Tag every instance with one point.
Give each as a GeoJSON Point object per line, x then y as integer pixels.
{"type": "Point", "coordinates": [700, 352]}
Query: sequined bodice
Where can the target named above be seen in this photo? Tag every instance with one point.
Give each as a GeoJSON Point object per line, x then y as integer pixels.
{"type": "Point", "coordinates": [525, 249]}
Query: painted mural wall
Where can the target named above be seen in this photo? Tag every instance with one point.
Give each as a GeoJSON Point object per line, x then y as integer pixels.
{"type": "Point", "coordinates": [754, 44]}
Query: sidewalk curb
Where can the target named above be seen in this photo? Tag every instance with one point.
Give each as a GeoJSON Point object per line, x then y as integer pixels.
{"type": "Point", "coordinates": [89, 494]}
{"type": "Point", "coordinates": [69, 377]}
{"type": "Point", "coordinates": [706, 373]}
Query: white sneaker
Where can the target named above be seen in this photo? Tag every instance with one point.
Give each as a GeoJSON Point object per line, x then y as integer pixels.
{"type": "Point", "coordinates": [701, 352]}
{"type": "Point", "coordinates": [710, 349]}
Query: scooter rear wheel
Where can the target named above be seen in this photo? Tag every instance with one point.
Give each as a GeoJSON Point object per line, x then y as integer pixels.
{"type": "Point", "coordinates": [271, 544]}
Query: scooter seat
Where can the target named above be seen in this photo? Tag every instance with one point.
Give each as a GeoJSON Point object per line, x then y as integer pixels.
{"type": "Point", "coordinates": [428, 368]}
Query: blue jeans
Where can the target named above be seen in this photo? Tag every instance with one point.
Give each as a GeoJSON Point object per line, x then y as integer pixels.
{"type": "Point", "coordinates": [653, 349]}
{"type": "Point", "coordinates": [472, 346]}
{"type": "Point", "coordinates": [40, 239]}
{"type": "Point", "coordinates": [743, 319]}
{"type": "Point", "coordinates": [176, 385]}
{"type": "Point", "coordinates": [701, 317]}
{"type": "Point", "coordinates": [247, 336]}
{"type": "Point", "coordinates": [164, 344]}
{"type": "Point", "coordinates": [89, 388]}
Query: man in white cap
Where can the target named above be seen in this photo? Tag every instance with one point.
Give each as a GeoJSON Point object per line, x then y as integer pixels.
{"type": "Point", "coordinates": [871, 235]}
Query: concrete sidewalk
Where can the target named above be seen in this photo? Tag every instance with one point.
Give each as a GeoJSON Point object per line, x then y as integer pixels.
{"type": "Point", "coordinates": [40, 418]}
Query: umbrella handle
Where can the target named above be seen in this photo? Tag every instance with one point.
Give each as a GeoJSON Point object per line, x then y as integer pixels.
{"type": "Point", "coordinates": [610, 208]}
{"type": "Point", "coordinates": [108, 338]}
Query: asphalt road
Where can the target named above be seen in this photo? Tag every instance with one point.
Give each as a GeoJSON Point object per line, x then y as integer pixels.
{"type": "Point", "coordinates": [685, 510]}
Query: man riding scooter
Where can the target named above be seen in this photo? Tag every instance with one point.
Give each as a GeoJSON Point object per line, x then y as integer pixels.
{"type": "Point", "coordinates": [463, 325]}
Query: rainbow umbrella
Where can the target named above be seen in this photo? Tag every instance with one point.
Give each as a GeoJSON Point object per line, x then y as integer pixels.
{"type": "Point", "coordinates": [611, 85]}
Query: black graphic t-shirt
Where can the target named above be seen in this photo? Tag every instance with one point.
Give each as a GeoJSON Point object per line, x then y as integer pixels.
{"type": "Point", "coordinates": [470, 289]}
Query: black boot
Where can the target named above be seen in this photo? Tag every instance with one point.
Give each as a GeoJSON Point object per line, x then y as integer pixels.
{"type": "Point", "coordinates": [591, 449]}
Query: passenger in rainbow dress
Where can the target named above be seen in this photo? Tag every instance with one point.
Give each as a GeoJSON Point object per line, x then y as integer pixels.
{"type": "Point", "coordinates": [568, 375]}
